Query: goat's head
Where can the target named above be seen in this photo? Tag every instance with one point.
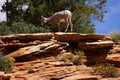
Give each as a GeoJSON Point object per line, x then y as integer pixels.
{"type": "Point", "coordinates": [43, 20]}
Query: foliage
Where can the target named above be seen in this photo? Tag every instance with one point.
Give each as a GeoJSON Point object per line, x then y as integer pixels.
{"type": "Point", "coordinates": [106, 69]}
{"type": "Point", "coordinates": [66, 56]}
{"type": "Point", "coordinates": [115, 36]}
{"type": "Point", "coordinates": [30, 11]}
{"type": "Point", "coordinates": [79, 57]}
{"type": "Point", "coordinates": [77, 60]}
{"type": "Point", "coordinates": [4, 29]}
{"type": "Point", "coordinates": [6, 64]}
{"type": "Point", "coordinates": [70, 57]}
{"type": "Point", "coordinates": [20, 27]}
{"type": "Point", "coordinates": [79, 52]}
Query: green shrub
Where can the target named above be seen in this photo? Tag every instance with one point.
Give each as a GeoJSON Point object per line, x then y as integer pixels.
{"type": "Point", "coordinates": [79, 52]}
{"type": "Point", "coordinates": [115, 36]}
{"type": "Point", "coordinates": [19, 27]}
{"type": "Point", "coordinates": [6, 64]}
{"type": "Point", "coordinates": [79, 57]}
{"type": "Point", "coordinates": [4, 29]}
{"type": "Point", "coordinates": [22, 27]}
{"type": "Point", "coordinates": [75, 59]}
{"type": "Point", "coordinates": [66, 56]}
{"type": "Point", "coordinates": [106, 69]}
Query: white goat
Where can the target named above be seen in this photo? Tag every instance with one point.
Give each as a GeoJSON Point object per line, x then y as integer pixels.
{"type": "Point", "coordinates": [62, 16]}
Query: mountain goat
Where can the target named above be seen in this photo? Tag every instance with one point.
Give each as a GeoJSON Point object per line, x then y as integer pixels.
{"type": "Point", "coordinates": [58, 17]}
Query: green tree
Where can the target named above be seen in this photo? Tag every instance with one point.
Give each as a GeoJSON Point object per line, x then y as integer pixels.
{"type": "Point", "coordinates": [13, 9]}
{"type": "Point", "coordinates": [84, 12]}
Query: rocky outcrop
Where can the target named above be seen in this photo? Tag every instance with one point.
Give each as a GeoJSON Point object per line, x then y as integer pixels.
{"type": "Point", "coordinates": [95, 45]}
{"type": "Point", "coordinates": [27, 37]}
{"type": "Point", "coordinates": [32, 45]}
{"type": "Point", "coordinates": [76, 37]}
{"type": "Point", "coordinates": [96, 51]}
{"type": "Point", "coordinates": [44, 69]}
{"type": "Point", "coordinates": [114, 59]}
{"type": "Point", "coordinates": [47, 68]}
{"type": "Point", "coordinates": [38, 50]}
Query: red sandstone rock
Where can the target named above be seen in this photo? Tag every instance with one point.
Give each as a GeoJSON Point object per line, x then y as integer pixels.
{"type": "Point", "coordinates": [114, 59]}
{"type": "Point", "coordinates": [81, 77]}
{"type": "Point", "coordinates": [27, 37]}
{"type": "Point", "coordinates": [95, 45]}
{"type": "Point", "coordinates": [76, 37]}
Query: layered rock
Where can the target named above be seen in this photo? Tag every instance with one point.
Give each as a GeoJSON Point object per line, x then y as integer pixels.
{"type": "Point", "coordinates": [36, 51]}
{"type": "Point", "coordinates": [81, 77]}
{"type": "Point", "coordinates": [4, 76]}
{"type": "Point", "coordinates": [27, 45]}
{"type": "Point", "coordinates": [27, 37]}
{"type": "Point", "coordinates": [95, 45]}
{"type": "Point", "coordinates": [76, 37]}
{"type": "Point", "coordinates": [114, 59]}
{"type": "Point", "coordinates": [45, 70]}
{"type": "Point", "coordinates": [24, 47]}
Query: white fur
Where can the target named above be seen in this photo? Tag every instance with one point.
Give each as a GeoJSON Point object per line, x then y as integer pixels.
{"type": "Point", "coordinates": [62, 16]}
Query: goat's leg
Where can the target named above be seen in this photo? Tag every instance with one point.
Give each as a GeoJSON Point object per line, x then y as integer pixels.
{"type": "Point", "coordinates": [58, 27]}
{"type": "Point", "coordinates": [71, 27]}
{"type": "Point", "coordinates": [67, 25]}
{"type": "Point", "coordinates": [70, 22]}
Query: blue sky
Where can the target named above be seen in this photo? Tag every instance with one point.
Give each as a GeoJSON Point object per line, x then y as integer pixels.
{"type": "Point", "coordinates": [111, 18]}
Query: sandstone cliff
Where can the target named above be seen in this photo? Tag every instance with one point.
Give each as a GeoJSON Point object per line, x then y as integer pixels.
{"type": "Point", "coordinates": [39, 53]}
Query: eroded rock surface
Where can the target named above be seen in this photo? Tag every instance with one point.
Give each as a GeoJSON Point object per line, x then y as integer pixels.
{"type": "Point", "coordinates": [40, 51]}
{"type": "Point", "coordinates": [31, 45]}
{"type": "Point", "coordinates": [76, 37]}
